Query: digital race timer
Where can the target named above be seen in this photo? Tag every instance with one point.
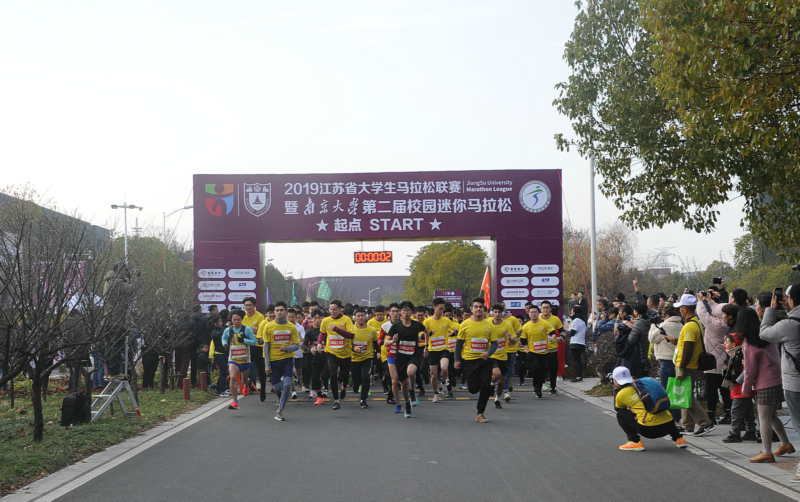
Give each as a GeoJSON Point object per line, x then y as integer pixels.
{"type": "Point", "coordinates": [373, 257]}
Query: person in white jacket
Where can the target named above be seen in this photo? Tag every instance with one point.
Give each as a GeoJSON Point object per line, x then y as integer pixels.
{"type": "Point", "coordinates": [663, 337]}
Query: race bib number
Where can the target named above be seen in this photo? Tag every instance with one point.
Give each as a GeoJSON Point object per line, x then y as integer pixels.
{"type": "Point", "coordinates": [451, 343]}
{"type": "Point", "coordinates": [362, 346]}
{"type": "Point", "coordinates": [238, 351]}
{"type": "Point", "coordinates": [540, 346]}
{"type": "Point", "coordinates": [407, 347]}
{"type": "Point", "coordinates": [391, 351]}
{"type": "Point", "coordinates": [479, 345]}
{"type": "Point", "coordinates": [282, 337]}
{"type": "Point", "coordinates": [501, 343]}
{"type": "Point", "coordinates": [437, 342]}
{"type": "Point", "coordinates": [335, 342]}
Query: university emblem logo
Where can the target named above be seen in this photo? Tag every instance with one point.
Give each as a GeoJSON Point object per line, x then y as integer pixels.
{"type": "Point", "coordinates": [257, 198]}
{"type": "Point", "coordinates": [219, 198]}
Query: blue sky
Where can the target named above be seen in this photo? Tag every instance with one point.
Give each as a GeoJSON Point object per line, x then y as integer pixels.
{"type": "Point", "coordinates": [102, 101]}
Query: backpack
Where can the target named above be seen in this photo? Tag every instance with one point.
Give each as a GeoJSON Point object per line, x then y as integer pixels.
{"type": "Point", "coordinates": [72, 411]}
{"type": "Point", "coordinates": [652, 394]}
{"type": "Point", "coordinates": [706, 361]}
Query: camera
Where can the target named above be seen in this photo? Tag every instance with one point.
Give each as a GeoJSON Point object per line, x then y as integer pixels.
{"type": "Point", "coordinates": [656, 320]}
{"type": "Point", "coordinates": [627, 318]}
{"type": "Point", "coordinates": [716, 280]}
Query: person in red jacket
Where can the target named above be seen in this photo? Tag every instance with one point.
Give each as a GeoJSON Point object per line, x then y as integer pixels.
{"type": "Point", "coordinates": [742, 415]}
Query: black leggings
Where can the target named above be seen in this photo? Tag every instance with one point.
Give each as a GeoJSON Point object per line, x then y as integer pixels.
{"type": "Point", "coordinates": [334, 365]}
{"type": "Point", "coordinates": [714, 384]}
{"type": "Point", "coordinates": [257, 356]}
{"type": "Point", "coordinates": [479, 379]}
{"type": "Point", "coordinates": [319, 371]}
{"type": "Point", "coordinates": [634, 430]}
{"type": "Point", "coordinates": [576, 351]}
{"type": "Point", "coordinates": [361, 378]}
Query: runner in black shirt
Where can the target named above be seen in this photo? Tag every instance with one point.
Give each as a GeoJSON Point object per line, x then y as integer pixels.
{"type": "Point", "coordinates": [404, 335]}
{"type": "Point", "coordinates": [319, 362]}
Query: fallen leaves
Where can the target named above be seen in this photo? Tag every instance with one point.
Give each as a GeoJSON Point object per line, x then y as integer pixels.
{"type": "Point", "coordinates": [22, 432]}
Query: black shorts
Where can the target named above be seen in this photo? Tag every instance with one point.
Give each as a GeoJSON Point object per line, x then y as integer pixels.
{"type": "Point", "coordinates": [503, 365]}
{"type": "Point", "coordinates": [435, 357]}
{"type": "Point", "coordinates": [402, 367]}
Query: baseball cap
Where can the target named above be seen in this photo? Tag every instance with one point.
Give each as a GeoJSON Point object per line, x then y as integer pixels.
{"type": "Point", "coordinates": [686, 300]}
{"type": "Point", "coordinates": [622, 375]}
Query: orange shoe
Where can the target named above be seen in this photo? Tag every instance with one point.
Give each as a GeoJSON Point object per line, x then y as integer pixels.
{"type": "Point", "coordinates": [246, 391]}
{"type": "Point", "coordinates": [233, 406]}
{"type": "Point", "coordinates": [763, 458]}
{"type": "Point", "coordinates": [784, 450]}
{"type": "Point", "coordinates": [631, 446]}
{"type": "Point", "coordinates": [681, 443]}
{"type": "Point", "coordinates": [319, 401]}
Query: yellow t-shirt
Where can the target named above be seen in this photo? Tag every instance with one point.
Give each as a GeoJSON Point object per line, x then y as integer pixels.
{"type": "Point", "coordinates": [376, 324]}
{"type": "Point", "coordinates": [338, 345]}
{"type": "Point", "coordinates": [536, 335]}
{"type": "Point", "coordinates": [364, 338]}
{"type": "Point", "coordinates": [451, 339]}
{"type": "Point", "coordinates": [438, 333]}
{"type": "Point", "coordinates": [691, 332]}
{"type": "Point", "coordinates": [277, 335]}
{"type": "Point", "coordinates": [628, 398]}
{"type": "Point", "coordinates": [254, 322]}
{"type": "Point", "coordinates": [477, 336]}
{"type": "Point", "coordinates": [555, 322]}
{"type": "Point", "coordinates": [513, 348]}
{"type": "Point", "coordinates": [500, 331]}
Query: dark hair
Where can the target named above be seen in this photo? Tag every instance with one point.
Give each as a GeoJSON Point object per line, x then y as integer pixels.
{"type": "Point", "coordinates": [731, 309]}
{"type": "Point", "coordinates": [315, 303]}
{"type": "Point", "coordinates": [379, 308]}
{"type": "Point", "coordinates": [291, 311]}
{"type": "Point", "coordinates": [764, 299]}
{"type": "Point", "coordinates": [528, 304]}
{"type": "Point", "coordinates": [739, 297]}
{"type": "Point", "coordinates": [672, 311]}
{"type": "Point", "coordinates": [794, 293]}
{"type": "Point", "coordinates": [280, 304]}
{"type": "Point", "coordinates": [448, 309]}
{"type": "Point", "coordinates": [748, 326]}
{"type": "Point", "coordinates": [621, 297]}
{"type": "Point", "coordinates": [603, 302]}
{"type": "Point", "coordinates": [714, 287]}
{"type": "Point", "coordinates": [626, 309]}
{"type": "Point", "coordinates": [438, 301]}
{"type": "Point", "coordinates": [642, 309]}
{"type": "Point", "coordinates": [317, 312]}
{"type": "Point", "coordinates": [479, 300]}
{"type": "Point", "coordinates": [238, 312]}
{"type": "Point", "coordinates": [211, 322]}
{"type": "Point", "coordinates": [577, 310]}
{"type": "Point", "coordinates": [224, 313]}
{"type": "Point", "coordinates": [406, 304]}
{"type": "Point", "coordinates": [338, 303]}
{"type": "Point", "coordinates": [250, 299]}
{"type": "Point", "coordinates": [197, 308]}
{"type": "Point", "coordinates": [421, 308]}
{"type": "Point", "coordinates": [305, 304]}
{"type": "Point", "coordinates": [534, 306]}
{"type": "Point", "coordinates": [613, 311]}
{"type": "Point", "coordinates": [499, 306]}
{"type": "Point", "coordinates": [269, 308]}
{"type": "Point", "coordinates": [394, 305]}
{"type": "Point", "coordinates": [662, 296]}
{"type": "Point", "coordinates": [360, 310]}
{"type": "Point", "coordinates": [212, 308]}
{"type": "Point", "coordinates": [654, 299]}
{"type": "Point", "coordinates": [547, 302]}
{"type": "Point", "coordinates": [348, 311]}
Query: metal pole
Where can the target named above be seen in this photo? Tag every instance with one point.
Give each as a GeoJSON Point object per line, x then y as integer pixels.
{"type": "Point", "coordinates": [125, 211]}
{"type": "Point", "coordinates": [593, 299]}
{"type": "Point", "coordinates": [165, 227]}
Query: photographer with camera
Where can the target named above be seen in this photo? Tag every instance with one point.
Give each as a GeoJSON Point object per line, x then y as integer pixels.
{"type": "Point", "coordinates": [663, 335]}
{"type": "Point", "coordinates": [786, 333]}
{"type": "Point", "coordinates": [632, 339]}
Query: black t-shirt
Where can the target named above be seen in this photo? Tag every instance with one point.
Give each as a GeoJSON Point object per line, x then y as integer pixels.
{"type": "Point", "coordinates": [407, 340]}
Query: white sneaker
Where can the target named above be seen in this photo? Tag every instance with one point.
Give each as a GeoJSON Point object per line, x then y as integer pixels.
{"type": "Point", "coordinates": [436, 398]}
{"type": "Point", "coordinates": [303, 389]}
{"type": "Point", "coordinates": [294, 395]}
{"type": "Point", "coordinates": [507, 396]}
{"type": "Point", "coordinates": [312, 395]}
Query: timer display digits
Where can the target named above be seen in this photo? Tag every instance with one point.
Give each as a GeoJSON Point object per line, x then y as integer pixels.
{"type": "Point", "coordinates": [373, 257]}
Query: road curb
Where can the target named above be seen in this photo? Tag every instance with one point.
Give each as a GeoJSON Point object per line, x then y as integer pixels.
{"type": "Point", "coordinates": [69, 478]}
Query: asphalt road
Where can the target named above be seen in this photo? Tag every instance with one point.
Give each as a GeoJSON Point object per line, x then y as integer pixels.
{"type": "Point", "coordinates": [554, 449]}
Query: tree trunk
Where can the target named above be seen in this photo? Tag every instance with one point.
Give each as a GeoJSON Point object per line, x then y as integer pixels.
{"type": "Point", "coordinates": [45, 382]}
{"type": "Point", "coordinates": [162, 371]}
{"type": "Point", "coordinates": [36, 397]}
{"type": "Point", "coordinates": [11, 388]}
{"type": "Point", "coordinates": [87, 399]}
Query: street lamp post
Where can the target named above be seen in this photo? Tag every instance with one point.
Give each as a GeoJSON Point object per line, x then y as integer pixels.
{"type": "Point", "coordinates": [170, 214]}
{"type": "Point", "coordinates": [125, 206]}
{"type": "Point", "coordinates": [369, 296]}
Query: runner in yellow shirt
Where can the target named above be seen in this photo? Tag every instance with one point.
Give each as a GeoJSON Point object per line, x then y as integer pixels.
{"type": "Point", "coordinates": [511, 350]}
{"type": "Point", "coordinates": [505, 335]}
{"type": "Point", "coordinates": [364, 338]}
{"type": "Point", "coordinates": [253, 320]}
{"type": "Point", "coordinates": [452, 337]}
{"type": "Point", "coordinates": [552, 345]}
{"type": "Point", "coordinates": [440, 329]}
{"type": "Point", "coordinates": [477, 341]}
{"type": "Point", "coordinates": [281, 340]}
{"type": "Point", "coordinates": [535, 335]}
{"type": "Point", "coordinates": [337, 333]}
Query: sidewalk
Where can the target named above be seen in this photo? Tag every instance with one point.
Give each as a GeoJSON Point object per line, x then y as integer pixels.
{"type": "Point", "coordinates": [735, 454]}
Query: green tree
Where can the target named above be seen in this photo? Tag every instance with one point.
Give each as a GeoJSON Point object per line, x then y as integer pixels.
{"type": "Point", "coordinates": [446, 265]}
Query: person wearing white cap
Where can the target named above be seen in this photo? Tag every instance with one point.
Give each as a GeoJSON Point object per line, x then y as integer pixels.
{"type": "Point", "coordinates": [690, 346]}
{"type": "Point", "coordinates": [635, 420]}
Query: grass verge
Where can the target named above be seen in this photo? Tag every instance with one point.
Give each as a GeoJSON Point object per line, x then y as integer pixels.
{"type": "Point", "coordinates": [601, 390]}
{"type": "Point", "coordinates": [24, 461]}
